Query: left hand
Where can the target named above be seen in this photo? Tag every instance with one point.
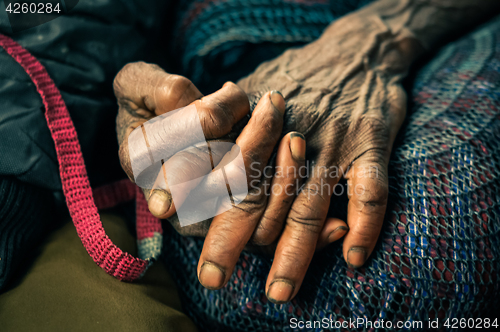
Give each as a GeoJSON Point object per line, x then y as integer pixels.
{"type": "Point", "coordinates": [343, 93]}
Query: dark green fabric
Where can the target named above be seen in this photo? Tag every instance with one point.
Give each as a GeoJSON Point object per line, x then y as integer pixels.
{"type": "Point", "coordinates": [63, 290]}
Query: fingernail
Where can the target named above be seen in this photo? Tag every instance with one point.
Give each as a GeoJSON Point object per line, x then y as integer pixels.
{"type": "Point", "coordinates": [298, 146]}
{"type": "Point", "coordinates": [211, 276]}
{"type": "Point", "coordinates": [280, 291]}
{"type": "Point", "coordinates": [356, 257]}
{"type": "Point", "coordinates": [337, 233]}
{"type": "Point", "coordinates": [278, 101]}
{"type": "Point", "coordinates": [159, 203]}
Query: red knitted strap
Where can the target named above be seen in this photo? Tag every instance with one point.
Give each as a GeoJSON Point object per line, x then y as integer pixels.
{"type": "Point", "coordinates": [147, 224]}
{"type": "Point", "coordinates": [75, 183]}
{"type": "Point", "coordinates": [112, 194]}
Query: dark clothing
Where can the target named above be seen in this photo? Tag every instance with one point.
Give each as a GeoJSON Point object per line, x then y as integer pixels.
{"type": "Point", "coordinates": [438, 253]}
{"type": "Point", "coordinates": [82, 52]}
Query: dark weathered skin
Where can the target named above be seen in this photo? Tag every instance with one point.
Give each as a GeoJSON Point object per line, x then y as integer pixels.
{"type": "Point", "coordinates": [344, 93]}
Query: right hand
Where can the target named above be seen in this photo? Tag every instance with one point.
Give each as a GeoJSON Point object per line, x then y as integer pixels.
{"type": "Point", "coordinates": [144, 91]}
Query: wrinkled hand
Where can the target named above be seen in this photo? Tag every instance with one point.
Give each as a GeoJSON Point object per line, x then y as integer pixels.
{"type": "Point", "coordinates": [343, 93]}
{"type": "Point", "coordinates": [145, 91]}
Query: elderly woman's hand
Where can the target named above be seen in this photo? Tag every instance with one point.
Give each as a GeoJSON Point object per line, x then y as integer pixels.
{"type": "Point", "coordinates": [343, 93]}
{"type": "Point", "coordinates": [144, 91]}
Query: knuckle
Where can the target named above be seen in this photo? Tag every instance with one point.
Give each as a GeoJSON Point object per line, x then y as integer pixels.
{"type": "Point", "coordinates": [308, 224]}
{"type": "Point", "coordinates": [236, 92]}
{"type": "Point", "coordinates": [253, 205]}
{"type": "Point", "coordinates": [372, 197]}
{"type": "Point", "coordinates": [119, 81]}
{"type": "Point", "coordinates": [217, 119]}
{"type": "Point", "coordinates": [230, 85]}
{"type": "Point", "coordinates": [129, 74]}
{"type": "Point", "coordinates": [173, 88]}
{"type": "Point", "coordinates": [130, 69]}
{"type": "Point", "coordinates": [181, 83]}
{"type": "Point", "coordinates": [367, 133]}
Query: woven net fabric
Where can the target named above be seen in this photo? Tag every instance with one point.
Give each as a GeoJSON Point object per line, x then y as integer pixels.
{"type": "Point", "coordinates": [438, 255]}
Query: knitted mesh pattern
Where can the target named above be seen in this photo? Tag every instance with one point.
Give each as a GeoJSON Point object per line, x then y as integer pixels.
{"type": "Point", "coordinates": [438, 255]}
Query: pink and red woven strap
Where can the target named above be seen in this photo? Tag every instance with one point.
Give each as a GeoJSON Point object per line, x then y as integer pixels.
{"type": "Point", "coordinates": [75, 182]}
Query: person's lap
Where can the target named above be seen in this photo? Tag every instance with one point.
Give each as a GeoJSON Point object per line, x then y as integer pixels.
{"type": "Point", "coordinates": [64, 290]}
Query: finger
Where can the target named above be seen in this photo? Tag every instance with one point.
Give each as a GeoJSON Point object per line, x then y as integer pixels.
{"type": "Point", "coordinates": [333, 230]}
{"type": "Point", "coordinates": [231, 230]}
{"type": "Point", "coordinates": [368, 191]}
{"type": "Point", "coordinates": [221, 110]}
{"type": "Point", "coordinates": [143, 91]}
{"type": "Point", "coordinates": [297, 244]}
{"type": "Point", "coordinates": [288, 176]}
{"type": "Point", "coordinates": [368, 188]}
{"type": "Point", "coordinates": [209, 118]}
{"type": "Point", "coordinates": [148, 90]}
{"type": "Point", "coordinates": [217, 114]}
{"type": "Point", "coordinates": [185, 170]}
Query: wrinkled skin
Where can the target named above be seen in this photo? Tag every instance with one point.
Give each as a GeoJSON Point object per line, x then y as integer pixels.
{"type": "Point", "coordinates": [343, 93]}
{"type": "Point", "coordinates": [346, 98]}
